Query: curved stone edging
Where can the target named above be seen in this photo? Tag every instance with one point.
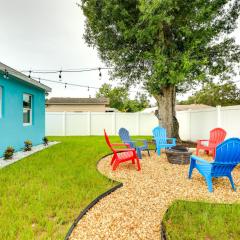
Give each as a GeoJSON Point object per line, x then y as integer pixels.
{"type": "Point", "coordinates": [92, 204]}
{"type": "Point", "coordinates": [163, 232]}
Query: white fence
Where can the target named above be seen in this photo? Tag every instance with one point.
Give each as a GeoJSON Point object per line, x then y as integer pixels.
{"type": "Point", "coordinates": [81, 124]}
{"type": "Point", "coordinates": [194, 124]}
{"type": "Point", "coordinates": [197, 124]}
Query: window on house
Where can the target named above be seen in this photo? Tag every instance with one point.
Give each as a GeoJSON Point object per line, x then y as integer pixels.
{"type": "Point", "coordinates": [1, 101]}
{"type": "Point", "coordinates": [27, 109]}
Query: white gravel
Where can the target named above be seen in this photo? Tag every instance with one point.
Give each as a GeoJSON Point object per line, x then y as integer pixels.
{"type": "Point", "coordinates": [21, 154]}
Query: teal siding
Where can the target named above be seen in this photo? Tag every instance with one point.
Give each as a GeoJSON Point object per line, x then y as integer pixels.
{"type": "Point", "coordinates": [12, 131]}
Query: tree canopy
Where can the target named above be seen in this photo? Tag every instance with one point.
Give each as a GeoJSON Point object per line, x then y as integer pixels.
{"type": "Point", "coordinates": [167, 45]}
{"type": "Point", "coordinates": [212, 94]}
{"type": "Point", "coordinates": [119, 98]}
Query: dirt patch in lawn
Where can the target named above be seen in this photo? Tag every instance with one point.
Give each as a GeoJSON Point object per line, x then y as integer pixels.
{"type": "Point", "coordinates": [135, 211]}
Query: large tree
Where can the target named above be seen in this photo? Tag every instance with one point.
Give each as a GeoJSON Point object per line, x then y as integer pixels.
{"type": "Point", "coordinates": [213, 94]}
{"type": "Point", "coordinates": [166, 45]}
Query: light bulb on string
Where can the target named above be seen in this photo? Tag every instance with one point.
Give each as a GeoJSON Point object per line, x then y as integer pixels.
{"type": "Point", "coordinates": [65, 85]}
{"type": "Point", "coordinates": [29, 75]}
{"type": "Point", "coordinates": [100, 74]}
{"type": "Point", "coordinates": [60, 75]}
{"type": "Point", "coordinates": [39, 80]}
{"type": "Point", "coordinates": [88, 89]}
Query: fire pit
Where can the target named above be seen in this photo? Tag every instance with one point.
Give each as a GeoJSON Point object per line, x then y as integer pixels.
{"type": "Point", "coordinates": [178, 155]}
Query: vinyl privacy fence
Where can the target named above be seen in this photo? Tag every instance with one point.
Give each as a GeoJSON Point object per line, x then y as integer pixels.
{"type": "Point", "coordinates": [193, 124]}
{"type": "Point", "coordinates": [90, 123]}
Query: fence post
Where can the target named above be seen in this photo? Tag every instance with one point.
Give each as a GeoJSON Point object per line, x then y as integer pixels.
{"type": "Point", "coordinates": [89, 123]}
{"type": "Point", "coordinates": [138, 123]}
{"type": "Point", "coordinates": [219, 120]}
{"type": "Point", "coordinates": [189, 124]}
{"type": "Point", "coordinates": [114, 130]}
{"type": "Point", "coordinates": [64, 123]}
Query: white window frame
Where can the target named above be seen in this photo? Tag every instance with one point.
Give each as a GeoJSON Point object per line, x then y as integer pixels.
{"type": "Point", "coordinates": [28, 109]}
{"type": "Point", "coordinates": [1, 102]}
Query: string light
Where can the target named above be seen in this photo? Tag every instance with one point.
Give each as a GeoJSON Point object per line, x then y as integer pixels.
{"type": "Point", "coordinates": [88, 89]}
{"type": "Point", "coordinates": [100, 74]}
{"type": "Point", "coordinates": [60, 75]}
{"type": "Point", "coordinates": [29, 75]}
{"type": "Point", "coordinates": [39, 80]}
{"type": "Point", "coordinates": [65, 85]}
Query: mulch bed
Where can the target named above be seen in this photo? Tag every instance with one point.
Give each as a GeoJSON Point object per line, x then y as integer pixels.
{"type": "Point", "coordinates": [135, 211]}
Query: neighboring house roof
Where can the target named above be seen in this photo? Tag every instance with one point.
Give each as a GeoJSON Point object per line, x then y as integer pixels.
{"type": "Point", "coordinates": [180, 108]}
{"type": "Point", "coordinates": [23, 77]}
{"type": "Point", "coordinates": [77, 101]}
{"type": "Point", "coordinates": [192, 107]}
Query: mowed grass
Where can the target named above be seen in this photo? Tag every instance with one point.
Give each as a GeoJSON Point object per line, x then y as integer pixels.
{"type": "Point", "coordinates": [40, 196]}
{"type": "Point", "coordinates": [202, 221]}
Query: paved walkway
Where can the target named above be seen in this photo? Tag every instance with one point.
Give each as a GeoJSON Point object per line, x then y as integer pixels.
{"type": "Point", "coordinates": [135, 210]}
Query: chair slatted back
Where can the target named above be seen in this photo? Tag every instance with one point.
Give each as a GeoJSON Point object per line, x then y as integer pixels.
{"type": "Point", "coordinates": [124, 135]}
{"type": "Point", "coordinates": [108, 141]}
{"type": "Point", "coordinates": [217, 136]}
{"type": "Point", "coordinates": [227, 157]}
{"type": "Point", "coordinates": [160, 134]}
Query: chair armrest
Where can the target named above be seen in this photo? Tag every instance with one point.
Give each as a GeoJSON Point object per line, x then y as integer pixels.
{"type": "Point", "coordinates": [125, 150]}
{"type": "Point", "coordinates": [120, 145]}
{"type": "Point", "coordinates": [131, 143]}
{"type": "Point", "coordinates": [225, 164]}
{"type": "Point", "coordinates": [198, 159]}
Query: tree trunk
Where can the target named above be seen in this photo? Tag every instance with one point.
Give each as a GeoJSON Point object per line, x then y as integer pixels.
{"type": "Point", "coordinates": [166, 101]}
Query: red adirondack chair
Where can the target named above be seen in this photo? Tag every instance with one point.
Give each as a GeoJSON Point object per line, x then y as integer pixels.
{"type": "Point", "coordinates": [217, 136]}
{"type": "Point", "coordinates": [122, 155]}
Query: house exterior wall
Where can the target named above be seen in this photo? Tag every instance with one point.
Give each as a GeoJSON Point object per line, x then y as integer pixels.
{"type": "Point", "coordinates": [12, 131]}
{"type": "Point", "coordinates": [76, 108]}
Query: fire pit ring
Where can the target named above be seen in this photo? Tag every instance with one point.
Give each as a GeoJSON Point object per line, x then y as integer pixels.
{"type": "Point", "coordinates": [178, 155]}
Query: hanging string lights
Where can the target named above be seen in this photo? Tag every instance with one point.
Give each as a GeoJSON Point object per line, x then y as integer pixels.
{"type": "Point", "coordinates": [60, 79]}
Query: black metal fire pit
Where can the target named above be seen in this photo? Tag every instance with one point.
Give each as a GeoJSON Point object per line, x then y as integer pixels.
{"type": "Point", "coordinates": [178, 155]}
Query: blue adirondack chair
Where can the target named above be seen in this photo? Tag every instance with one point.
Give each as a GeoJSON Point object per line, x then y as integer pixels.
{"type": "Point", "coordinates": [125, 137]}
{"type": "Point", "coordinates": [227, 158]}
{"type": "Point", "coordinates": [160, 137]}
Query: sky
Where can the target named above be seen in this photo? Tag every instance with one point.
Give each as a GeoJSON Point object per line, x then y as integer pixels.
{"type": "Point", "coordinates": [48, 35]}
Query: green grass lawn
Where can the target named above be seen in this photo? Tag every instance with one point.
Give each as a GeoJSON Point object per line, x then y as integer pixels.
{"type": "Point", "coordinates": [40, 196]}
{"type": "Point", "coordinates": [202, 221]}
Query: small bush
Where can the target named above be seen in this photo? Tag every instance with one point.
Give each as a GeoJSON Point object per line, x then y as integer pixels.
{"type": "Point", "coordinates": [8, 154]}
{"type": "Point", "coordinates": [45, 141]}
{"type": "Point", "coordinates": [28, 145]}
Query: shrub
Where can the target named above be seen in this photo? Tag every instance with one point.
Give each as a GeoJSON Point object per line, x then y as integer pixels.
{"type": "Point", "coordinates": [28, 145]}
{"type": "Point", "coordinates": [45, 141]}
{"type": "Point", "coordinates": [8, 154]}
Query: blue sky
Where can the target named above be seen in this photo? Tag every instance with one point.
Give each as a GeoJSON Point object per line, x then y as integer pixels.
{"type": "Point", "coordinates": [48, 34]}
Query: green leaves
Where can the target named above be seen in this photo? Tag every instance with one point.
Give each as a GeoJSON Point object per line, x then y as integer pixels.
{"type": "Point", "coordinates": [226, 94]}
{"type": "Point", "coordinates": [119, 99]}
{"type": "Point", "coordinates": [164, 42]}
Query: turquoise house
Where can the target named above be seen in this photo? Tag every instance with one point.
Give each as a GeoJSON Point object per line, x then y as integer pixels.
{"type": "Point", "coordinates": [22, 109]}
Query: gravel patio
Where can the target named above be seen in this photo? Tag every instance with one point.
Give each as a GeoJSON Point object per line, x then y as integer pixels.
{"type": "Point", "coordinates": [135, 211]}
